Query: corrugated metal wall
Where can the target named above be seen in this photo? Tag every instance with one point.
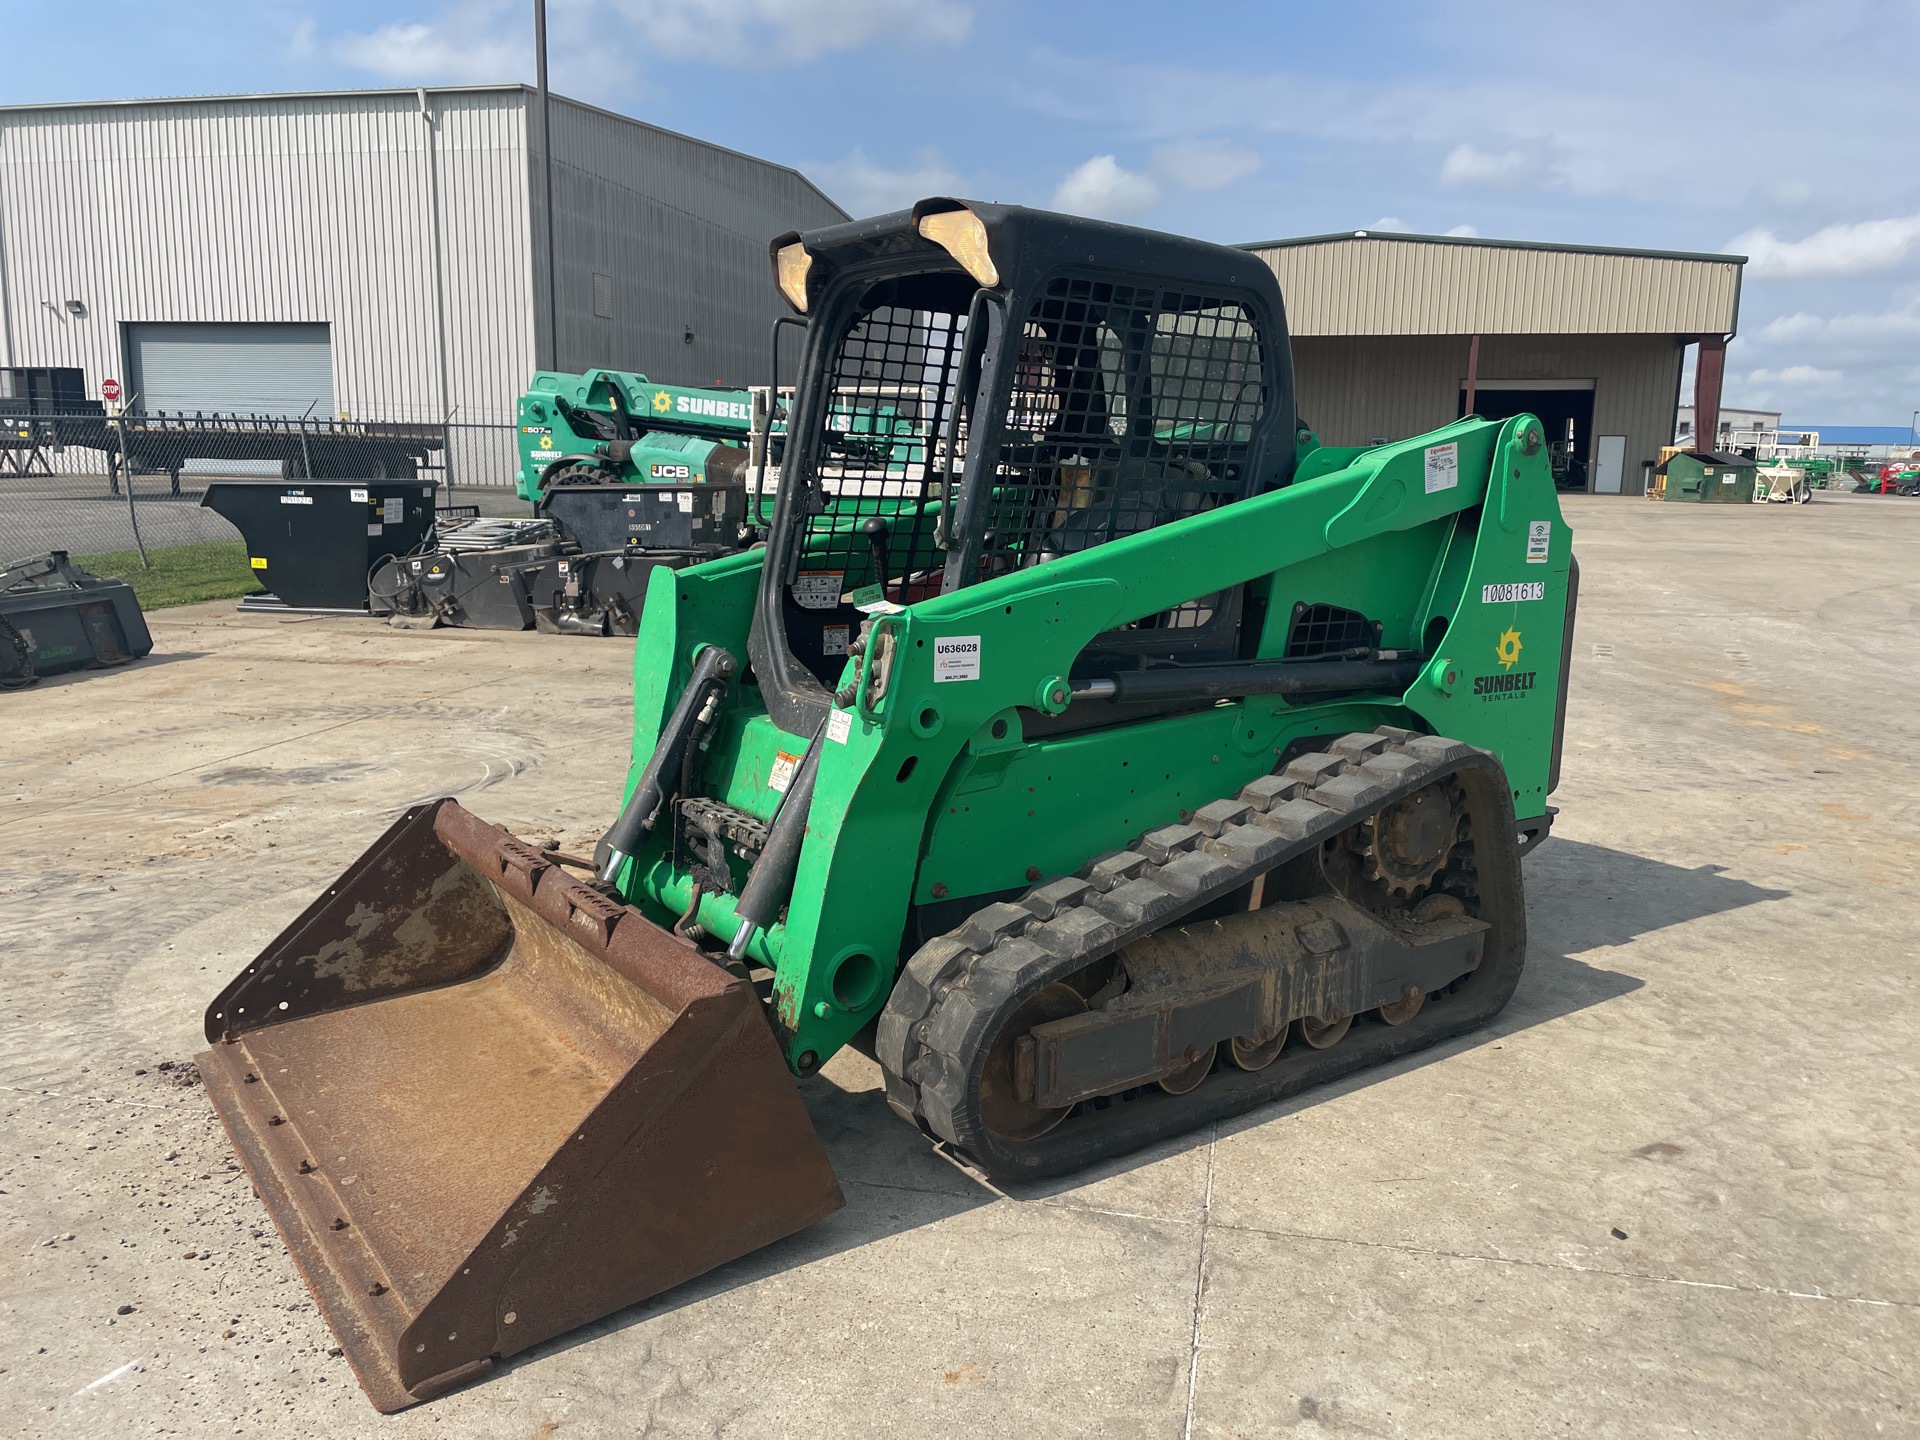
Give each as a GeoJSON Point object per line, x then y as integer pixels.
{"type": "Point", "coordinates": [487, 230]}
{"type": "Point", "coordinates": [1354, 388]}
{"type": "Point", "coordinates": [279, 208]}
{"type": "Point", "coordinates": [1380, 286]}
{"type": "Point", "coordinates": [679, 228]}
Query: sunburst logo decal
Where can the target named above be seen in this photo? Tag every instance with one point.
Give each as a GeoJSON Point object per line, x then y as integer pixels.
{"type": "Point", "coordinates": [1508, 649]}
{"type": "Point", "coordinates": [662, 401]}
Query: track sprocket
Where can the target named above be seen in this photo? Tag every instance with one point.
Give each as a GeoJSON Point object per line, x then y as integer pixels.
{"type": "Point", "coordinates": [1407, 844]}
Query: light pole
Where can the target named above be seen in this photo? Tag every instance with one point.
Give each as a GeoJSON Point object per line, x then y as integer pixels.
{"type": "Point", "coordinates": [546, 171]}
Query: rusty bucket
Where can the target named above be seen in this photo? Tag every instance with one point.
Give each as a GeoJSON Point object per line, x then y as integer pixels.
{"type": "Point", "coordinates": [484, 1104]}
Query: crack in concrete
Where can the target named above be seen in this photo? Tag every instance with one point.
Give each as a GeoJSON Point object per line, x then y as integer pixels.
{"type": "Point", "coordinates": [1200, 1283]}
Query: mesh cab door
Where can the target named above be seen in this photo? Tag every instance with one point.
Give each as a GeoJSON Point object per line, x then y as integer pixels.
{"type": "Point", "coordinates": [1131, 404]}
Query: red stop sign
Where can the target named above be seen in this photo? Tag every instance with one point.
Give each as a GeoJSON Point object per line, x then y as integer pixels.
{"type": "Point", "coordinates": [109, 389]}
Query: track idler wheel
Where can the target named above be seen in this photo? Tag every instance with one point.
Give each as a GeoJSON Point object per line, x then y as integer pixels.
{"type": "Point", "coordinates": [1405, 1008]}
{"type": "Point", "coordinates": [1196, 1066]}
{"type": "Point", "coordinates": [1324, 1034]}
{"type": "Point", "coordinates": [1006, 1085]}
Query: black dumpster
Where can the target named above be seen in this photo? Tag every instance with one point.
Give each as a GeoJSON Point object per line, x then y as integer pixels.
{"type": "Point", "coordinates": [54, 616]}
{"type": "Point", "coordinates": [314, 544]}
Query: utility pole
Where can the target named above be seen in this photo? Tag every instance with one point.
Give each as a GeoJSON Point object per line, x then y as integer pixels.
{"type": "Point", "coordinates": [546, 171]}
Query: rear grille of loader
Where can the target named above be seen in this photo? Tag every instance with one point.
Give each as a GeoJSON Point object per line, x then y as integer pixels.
{"type": "Point", "coordinates": [1329, 630]}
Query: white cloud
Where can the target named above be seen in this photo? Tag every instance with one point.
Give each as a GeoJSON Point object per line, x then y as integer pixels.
{"type": "Point", "coordinates": [1837, 250]}
{"type": "Point", "coordinates": [300, 43]}
{"type": "Point", "coordinates": [1466, 232]}
{"type": "Point", "coordinates": [1536, 105]}
{"type": "Point", "coordinates": [1794, 375]}
{"type": "Point", "coordinates": [1789, 328]}
{"type": "Point", "coordinates": [1104, 190]}
{"type": "Point", "coordinates": [1895, 333]}
{"type": "Point", "coordinates": [866, 188]}
{"type": "Point", "coordinates": [603, 48]}
{"type": "Point", "coordinates": [446, 52]}
{"type": "Point", "coordinates": [1393, 224]}
{"type": "Point", "coordinates": [1847, 368]}
{"type": "Point", "coordinates": [1204, 164]}
{"type": "Point", "coordinates": [773, 32]}
{"type": "Point", "coordinates": [1468, 166]}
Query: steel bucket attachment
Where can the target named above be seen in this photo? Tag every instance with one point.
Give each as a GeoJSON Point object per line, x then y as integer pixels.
{"type": "Point", "coordinates": [484, 1104]}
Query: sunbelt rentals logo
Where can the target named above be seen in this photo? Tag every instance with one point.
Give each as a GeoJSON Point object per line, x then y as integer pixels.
{"type": "Point", "coordinates": [1511, 683]}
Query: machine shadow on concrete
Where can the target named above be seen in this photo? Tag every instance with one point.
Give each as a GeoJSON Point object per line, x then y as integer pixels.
{"type": "Point", "coordinates": [1585, 897]}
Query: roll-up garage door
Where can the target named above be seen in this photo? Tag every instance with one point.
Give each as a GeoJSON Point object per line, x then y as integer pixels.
{"type": "Point", "coordinates": [183, 367]}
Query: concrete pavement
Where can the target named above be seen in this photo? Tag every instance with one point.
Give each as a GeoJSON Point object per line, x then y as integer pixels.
{"type": "Point", "coordinates": [1671, 1191]}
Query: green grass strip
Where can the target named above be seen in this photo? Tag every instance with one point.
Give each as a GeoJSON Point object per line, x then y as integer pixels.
{"type": "Point", "coordinates": [180, 574]}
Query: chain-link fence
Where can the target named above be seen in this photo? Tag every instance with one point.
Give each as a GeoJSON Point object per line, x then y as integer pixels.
{"type": "Point", "coordinates": [126, 492]}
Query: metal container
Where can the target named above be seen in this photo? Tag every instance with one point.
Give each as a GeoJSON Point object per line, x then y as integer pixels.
{"type": "Point", "coordinates": [1708, 477]}
{"type": "Point", "coordinates": [313, 545]}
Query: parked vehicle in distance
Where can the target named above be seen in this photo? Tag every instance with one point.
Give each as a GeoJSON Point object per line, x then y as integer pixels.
{"type": "Point", "coordinates": [1902, 477]}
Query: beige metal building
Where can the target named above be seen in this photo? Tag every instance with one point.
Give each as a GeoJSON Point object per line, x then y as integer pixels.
{"type": "Point", "coordinates": [1392, 334]}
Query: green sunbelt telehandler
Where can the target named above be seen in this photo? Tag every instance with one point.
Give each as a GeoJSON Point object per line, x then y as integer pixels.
{"type": "Point", "coordinates": [1115, 756]}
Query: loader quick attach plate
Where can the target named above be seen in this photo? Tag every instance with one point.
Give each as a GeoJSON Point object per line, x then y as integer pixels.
{"type": "Point", "coordinates": [484, 1104]}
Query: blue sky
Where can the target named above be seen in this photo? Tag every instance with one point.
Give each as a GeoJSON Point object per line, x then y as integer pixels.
{"type": "Point", "coordinates": [1759, 128]}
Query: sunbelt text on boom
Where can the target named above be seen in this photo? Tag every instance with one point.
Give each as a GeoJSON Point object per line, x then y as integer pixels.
{"type": "Point", "coordinates": [700, 405]}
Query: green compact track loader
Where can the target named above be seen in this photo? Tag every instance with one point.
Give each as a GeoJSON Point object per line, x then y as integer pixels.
{"type": "Point", "coordinates": [1111, 759]}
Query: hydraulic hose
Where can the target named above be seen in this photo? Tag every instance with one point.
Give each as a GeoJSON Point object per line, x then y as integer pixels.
{"type": "Point", "coordinates": [712, 668]}
{"type": "Point", "coordinates": [772, 875]}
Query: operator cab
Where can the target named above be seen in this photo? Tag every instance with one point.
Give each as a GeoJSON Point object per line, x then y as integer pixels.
{"type": "Point", "coordinates": [979, 396]}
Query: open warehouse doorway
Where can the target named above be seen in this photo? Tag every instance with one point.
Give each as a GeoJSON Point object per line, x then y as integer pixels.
{"type": "Point", "coordinates": [1564, 407]}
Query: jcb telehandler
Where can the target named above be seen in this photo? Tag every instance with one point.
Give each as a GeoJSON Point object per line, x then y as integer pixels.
{"type": "Point", "coordinates": [1121, 760]}
{"type": "Point", "coordinates": [624, 475]}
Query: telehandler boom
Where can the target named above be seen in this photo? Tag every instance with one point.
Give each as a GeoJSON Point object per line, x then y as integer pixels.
{"type": "Point", "coordinates": [1118, 755]}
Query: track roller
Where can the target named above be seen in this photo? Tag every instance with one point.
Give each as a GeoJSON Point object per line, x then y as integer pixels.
{"type": "Point", "coordinates": [1324, 1034]}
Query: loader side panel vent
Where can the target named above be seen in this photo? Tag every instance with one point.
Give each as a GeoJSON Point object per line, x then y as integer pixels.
{"type": "Point", "coordinates": [894, 377]}
{"type": "Point", "coordinates": [1329, 630]}
{"type": "Point", "coordinates": [1134, 404]}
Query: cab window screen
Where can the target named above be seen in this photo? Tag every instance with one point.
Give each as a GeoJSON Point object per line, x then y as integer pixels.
{"type": "Point", "coordinates": [1132, 405]}
{"type": "Point", "coordinates": [883, 446]}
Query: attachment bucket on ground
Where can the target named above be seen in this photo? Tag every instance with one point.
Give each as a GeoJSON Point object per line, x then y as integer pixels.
{"type": "Point", "coordinates": [485, 1104]}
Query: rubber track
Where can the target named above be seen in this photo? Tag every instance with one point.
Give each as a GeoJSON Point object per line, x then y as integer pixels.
{"type": "Point", "coordinates": [954, 994]}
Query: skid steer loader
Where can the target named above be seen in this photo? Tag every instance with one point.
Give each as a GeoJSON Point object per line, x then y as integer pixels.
{"type": "Point", "coordinates": [1120, 760]}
